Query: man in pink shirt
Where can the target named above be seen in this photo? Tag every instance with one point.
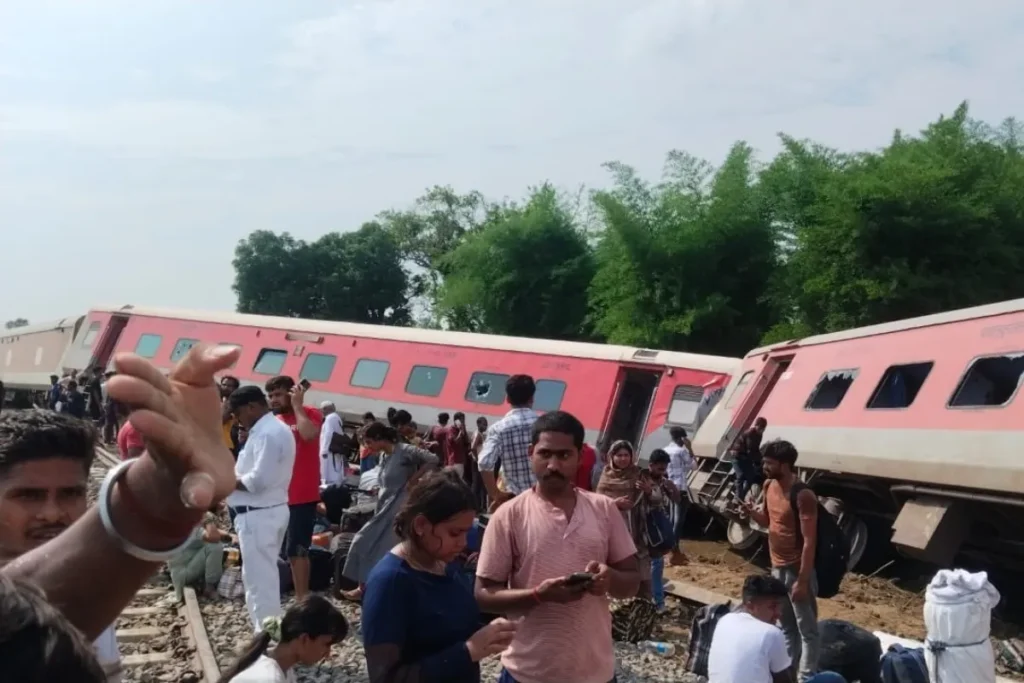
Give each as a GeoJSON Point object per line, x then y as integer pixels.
{"type": "Point", "coordinates": [535, 545]}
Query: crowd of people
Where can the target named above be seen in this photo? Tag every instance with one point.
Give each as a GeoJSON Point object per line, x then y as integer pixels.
{"type": "Point", "coordinates": [568, 530]}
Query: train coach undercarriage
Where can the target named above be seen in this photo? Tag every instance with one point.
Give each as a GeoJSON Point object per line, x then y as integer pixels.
{"type": "Point", "coordinates": [933, 525]}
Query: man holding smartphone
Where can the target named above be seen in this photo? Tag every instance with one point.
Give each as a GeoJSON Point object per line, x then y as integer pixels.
{"type": "Point", "coordinates": [551, 556]}
{"type": "Point", "coordinates": [286, 400]}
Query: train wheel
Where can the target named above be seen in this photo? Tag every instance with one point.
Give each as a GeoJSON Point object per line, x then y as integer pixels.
{"type": "Point", "coordinates": [856, 532]}
{"type": "Point", "coordinates": [740, 536]}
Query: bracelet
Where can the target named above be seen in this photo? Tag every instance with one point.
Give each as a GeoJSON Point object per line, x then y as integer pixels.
{"type": "Point", "coordinates": [126, 546]}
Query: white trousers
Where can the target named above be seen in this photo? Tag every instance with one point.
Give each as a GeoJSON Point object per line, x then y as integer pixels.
{"type": "Point", "coordinates": [260, 535]}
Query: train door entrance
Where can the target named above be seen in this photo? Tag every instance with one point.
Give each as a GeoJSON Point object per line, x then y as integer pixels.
{"type": "Point", "coordinates": [630, 406]}
{"type": "Point", "coordinates": [104, 348]}
{"type": "Point", "coordinates": [757, 396]}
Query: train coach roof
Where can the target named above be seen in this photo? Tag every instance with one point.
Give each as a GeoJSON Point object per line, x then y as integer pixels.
{"type": "Point", "coordinates": [973, 313]}
{"type": "Point", "coordinates": [62, 323]}
{"type": "Point", "coordinates": [630, 354]}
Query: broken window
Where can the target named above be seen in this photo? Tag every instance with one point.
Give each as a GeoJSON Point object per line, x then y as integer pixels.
{"type": "Point", "coordinates": [830, 390]}
{"type": "Point", "coordinates": [990, 382]}
{"type": "Point", "coordinates": [900, 385]}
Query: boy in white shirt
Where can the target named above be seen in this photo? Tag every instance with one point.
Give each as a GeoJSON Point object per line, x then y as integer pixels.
{"type": "Point", "coordinates": [748, 647]}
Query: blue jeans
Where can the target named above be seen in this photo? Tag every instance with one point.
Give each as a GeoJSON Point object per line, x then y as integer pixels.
{"type": "Point", "coordinates": [657, 581]}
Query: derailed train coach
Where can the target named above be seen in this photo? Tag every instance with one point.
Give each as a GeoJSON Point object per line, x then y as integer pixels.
{"type": "Point", "coordinates": [618, 392]}
{"type": "Point", "coordinates": [910, 431]}
{"type": "Point", "coordinates": [29, 355]}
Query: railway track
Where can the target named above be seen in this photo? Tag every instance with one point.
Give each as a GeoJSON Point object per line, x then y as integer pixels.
{"type": "Point", "coordinates": [158, 641]}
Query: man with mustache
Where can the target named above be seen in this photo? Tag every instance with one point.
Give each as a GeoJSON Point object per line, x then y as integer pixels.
{"type": "Point", "coordinates": [44, 472]}
{"type": "Point", "coordinates": [551, 556]}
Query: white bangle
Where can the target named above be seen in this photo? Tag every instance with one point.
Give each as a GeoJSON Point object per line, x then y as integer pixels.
{"type": "Point", "coordinates": [126, 546]}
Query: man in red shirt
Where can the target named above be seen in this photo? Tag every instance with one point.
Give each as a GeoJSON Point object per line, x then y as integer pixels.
{"type": "Point", "coordinates": [588, 457]}
{"type": "Point", "coordinates": [304, 491]}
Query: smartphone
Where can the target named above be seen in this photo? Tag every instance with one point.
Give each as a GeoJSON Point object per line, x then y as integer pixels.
{"type": "Point", "coordinates": [304, 383]}
{"type": "Point", "coordinates": [579, 579]}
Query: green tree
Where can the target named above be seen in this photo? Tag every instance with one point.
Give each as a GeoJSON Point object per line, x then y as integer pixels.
{"type": "Point", "coordinates": [354, 276]}
{"type": "Point", "coordinates": [17, 322]}
{"type": "Point", "coordinates": [524, 272]}
{"type": "Point", "coordinates": [927, 224]}
{"type": "Point", "coordinates": [685, 264]}
{"type": "Point", "coordinates": [435, 226]}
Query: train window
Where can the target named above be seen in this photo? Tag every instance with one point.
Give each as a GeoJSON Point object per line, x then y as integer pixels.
{"type": "Point", "coordinates": [899, 386]}
{"type": "Point", "coordinates": [989, 382]}
{"type": "Point", "coordinates": [270, 362]}
{"type": "Point", "coordinates": [90, 335]}
{"type": "Point", "coordinates": [181, 347]}
{"type": "Point", "coordinates": [318, 367]}
{"type": "Point", "coordinates": [369, 373]}
{"type": "Point", "coordinates": [486, 387]}
{"type": "Point", "coordinates": [549, 394]}
{"type": "Point", "coordinates": [828, 393]}
{"type": "Point", "coordinates": [741, 388]}
{"type": "Point", "coordinates": [684, 406]}
{"type": "Point", "coordinates": [148, 345]}
{"type": "Point", "coordinates": [425, 380]}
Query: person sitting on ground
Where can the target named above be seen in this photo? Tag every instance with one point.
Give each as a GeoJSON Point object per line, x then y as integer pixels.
{"type": "Point", "coordinates": [304, 635]}
{"type": "Point", "coordinates": [419, 582]}
{"type": "Point", "coordinates": [202, 560]}
{"type": "Point", "coordinates": [747, 646]}
{"type": "Point", "coordinates": [37, 644]}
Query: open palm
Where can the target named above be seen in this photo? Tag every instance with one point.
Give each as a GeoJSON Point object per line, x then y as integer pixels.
{"type": "Point", "coordinates": [179, 415]}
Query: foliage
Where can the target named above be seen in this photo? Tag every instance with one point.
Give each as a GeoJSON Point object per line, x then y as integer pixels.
{"type": "Point", "coordinates": [17, 322]}
{"type": "Point", "coordinates": [524, 272]}
{"type": "Point", "coordinates": [683, 265]}
{"type": "Point", "coordinates": [709, 260]}
{"type": "Point", "coordinates": [354, 276]}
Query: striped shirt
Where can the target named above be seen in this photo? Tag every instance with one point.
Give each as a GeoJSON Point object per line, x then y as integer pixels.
{"type": "Point", "coordinates": [508, 439]}
{"type": "Point", "coordinates": [529, 540]}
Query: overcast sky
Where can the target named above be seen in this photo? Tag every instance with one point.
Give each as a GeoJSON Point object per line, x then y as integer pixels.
{"type": "Point", "coordinates": [139, 141]}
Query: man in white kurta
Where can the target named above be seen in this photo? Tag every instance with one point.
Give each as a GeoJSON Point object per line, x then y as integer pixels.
{"type": "Point", "coordinates": [260, 500]}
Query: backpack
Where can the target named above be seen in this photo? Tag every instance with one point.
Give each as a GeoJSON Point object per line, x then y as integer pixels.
{"type": "Point", "coordinates": [702, 631]}
{"type": "Point", "coordinates": [633, 619]}
{"type": "Point", "coordinates": [903, 665]}
{"type": "Point", "coordinates": [832, 553]}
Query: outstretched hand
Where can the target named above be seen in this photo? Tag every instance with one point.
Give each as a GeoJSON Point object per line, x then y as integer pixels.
{"type": "Point", "coordinates": [180, 418]}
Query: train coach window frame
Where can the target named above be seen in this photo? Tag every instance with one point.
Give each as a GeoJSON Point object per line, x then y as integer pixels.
{"type": "Point", "coordinates": [684, 405]}
{"type": "Point", "coordinates": [363, 366]}
{"type": "Point", "coordinates": [739, 390]}
{"type": "Point", "coordinates": [181, 347]}
{"type": "Point", "coordinates": [422, 382]}
{"type": "Point", "coordinates": [545, 399]}
{"type": "Point", "coordinates": [820, 397]}
{"type": "Point", "coordinates": [91, 334]}
{"type": "Point", "coordinates": [316, 372]}
{"type": "Point", "coordinates": [495, 381]}
{"type": "Point", "coordinates": [270, 362]}
{"type": "Point", "coordinates": [148, 344]}
{"type": "Point", "coordinates": [972, 372]}
{"type": "Point", "coordinates": [917, 367]}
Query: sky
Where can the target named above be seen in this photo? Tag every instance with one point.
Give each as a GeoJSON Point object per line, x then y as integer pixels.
{"type": "Point", "coordinates": [139, 141]}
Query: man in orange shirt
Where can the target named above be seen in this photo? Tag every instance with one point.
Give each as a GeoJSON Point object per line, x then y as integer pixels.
{"type": "Point", "coordinates": [304, 491]}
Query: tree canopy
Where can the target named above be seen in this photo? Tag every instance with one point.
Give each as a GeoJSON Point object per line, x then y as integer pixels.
{"type": "Point", "coordinates": [705, 259]}
{"type": "Point", "coordinates": [17, 322]}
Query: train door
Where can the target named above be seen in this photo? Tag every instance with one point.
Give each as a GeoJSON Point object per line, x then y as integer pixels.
{"type": "Point", "coordinates": [769, 376]}
{"type": "Point", "coordinates": [104, 348]}
{"type": "Point", "coordinates": [630, 406]}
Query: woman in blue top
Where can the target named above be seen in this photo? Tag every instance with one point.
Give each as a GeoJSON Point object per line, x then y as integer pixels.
{"type": "Point", "coordinates": [420, 619]}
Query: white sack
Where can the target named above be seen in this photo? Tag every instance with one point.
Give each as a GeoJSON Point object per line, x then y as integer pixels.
{"type": "Point", "coordinates": [958, 616]}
